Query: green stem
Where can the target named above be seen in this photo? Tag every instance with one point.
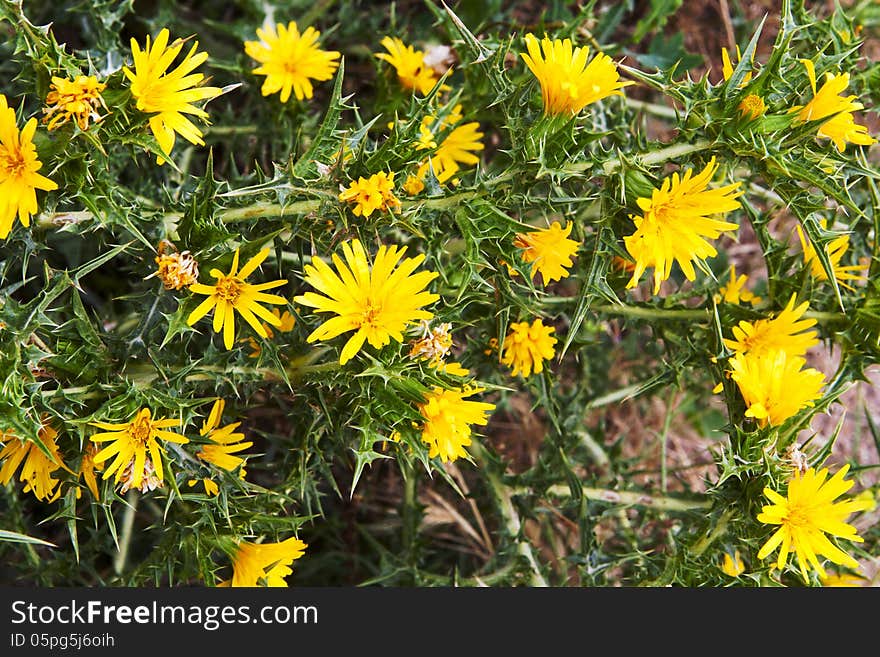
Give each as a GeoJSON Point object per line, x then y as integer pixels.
{"type": "Point", "coordinates": [127, 527]}
{"type": "Point", "coordinates": [719, 530]}
{"type": "Point", "coordinates": [652, 108]}
{"type": "Point", "coordinates": [650, 313]}
{"type": "Point", "coordinates": [634, 498]}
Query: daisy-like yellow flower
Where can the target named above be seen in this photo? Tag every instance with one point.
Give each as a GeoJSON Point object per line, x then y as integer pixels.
{"type": "Point", "coordinates": [227, 442]}
{"type": "Point", "coordinates": [267, 564]}
{"type": "Point", "coordinates": [775, 385]}
{"type": "Point", "coordinates": [457, 148]}
{"type": "Point", "coordinates": [19, 164]}
{"type": "Point", "coordinates": [76, 100]}
{"type": "Point", "coordinates": [785, 332]}
{"type": "Point", "coordinates": [549, 250]}
{"type": "Point", "coordinates": [169, 94]}
{"type": "Point", "coordinates": [376, 301]}
{"type": "Point", "coordinates": [675, 222]}
{"type": "Point", "coordinates": [448, 417]}
{"type": "Point", "coordinates": [290, 60]}
{"type": "Point", "coordinates": [806, 515]}
{"type": "Point", "coordinates": [527, 346]}
{"type": "Point", "coordinates": [412, 71]}
{"type": "Point", "coordinates": [175, 270]}
{"type": "Point", "coordinates": [835, 249]}
{"type": "Point", "coordinates": [735, 291]}
{"type": "Point", "coordinates": [568, 82]}
{"type": "Point", "coordinates": [732, 566]}
{"type": "Point", "coordinates": [371, 194]}
{"type": "Point", "coordinates": [37, 468]}
{"type": "Point", "coordinates": [231, 294]}
{"type": "Point", "coordinates": [135, 446]}
{"type": "Point", "coordinates": [827, 101]}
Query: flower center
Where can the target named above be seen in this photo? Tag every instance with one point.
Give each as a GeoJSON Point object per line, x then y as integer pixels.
{"type": "Point", "coordinates": [370, 314]}
{"type": "Point", "coordinates": [798, 517]}
{"type": "Point", "coordinates": [229, 288]}
{"type": "Point", "coordinates": [140, 430]}
{"type": "Point", "coordinates": [12, 161]}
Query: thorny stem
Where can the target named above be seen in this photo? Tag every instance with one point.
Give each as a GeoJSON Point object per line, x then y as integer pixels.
{"type": "Point", "coordinates": [662, 503]}
{"type": "Point", "coordinates": [719, 529]}
{"type": "Point", "coordinates": [127, 527]}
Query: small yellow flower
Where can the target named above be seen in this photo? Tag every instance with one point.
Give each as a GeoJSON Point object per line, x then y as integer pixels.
{"type": "Point", "coordinates": [735, 290]}
{"type": "Point", "coordinates": [527, 346]}
{"type": "Point", "coordinates": [376, 301]}
{"type": "Point", "coordinates": [38, 467]}
{"type": "Point", "coordinates": [456, 148]}
{"type": "Point", "coordinates": [19, 164]}
{"type": "Point", "coordinates": [733, 566]}
{"type": "Point", "coordinates": [413, 185]}
{"type": "Point", "coordinates": [231, 294]}
{"type": "Point", "coordinates": [226, 442]}
{"type": "Point", "coordinates": [87, 469]}
{"type": "Point", "coordinates": [675, 222]}
{"type": "Point", "coordinates": [290, 60]}
{"type": "Point", "coordinates": [266, 564]}
{"type": "Point", "coordinates": [448, 417]}
{"type": "Point", "coordinates": [806, 515]}
{"type": "Point", "coordinates": [727, 66]}
{"type": "Point", "coordinates": [835, 249]}
{"type": "Point", "coordinates": [752, 106]}
{"type": "Point", "coordinates": [412, 71]}
{"type": "Point", "coordinates": [136, 447]}
{"type": "Point", "coordinates": [549, 250]}
{"type": "Point", "coordinates": [76, 100]}
{"type": "Point", "coordinates": [168, 95]}
{"type": "Point", "coordinates": [371, 194]}
{"type": "Point", "coordinates": [786, 332]}
{"type": "Point", "coordinates": [175, 270]}
{"type": "Point", "coordinates": [568, 82]}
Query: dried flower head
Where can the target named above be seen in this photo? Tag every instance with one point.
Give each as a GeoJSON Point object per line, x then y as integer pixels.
{"type": "Point", "coordinates": [76, 100]}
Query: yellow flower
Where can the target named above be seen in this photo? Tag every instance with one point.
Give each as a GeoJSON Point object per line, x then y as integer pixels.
{"type": "Point", "coordinates": [735, 290]}
{"type": "Point", "coordinates": [727, 66]}
{"type": "Point", "coordinates": [732, 566]}
{"type": "Point", "coordinates": [287, 322]}
{"type": "Point", "coordinates": [226, 441]}
{"type": "Point", "coordinates": [413, 185]}
{"type": "Point", "coordinates": [264, 563]}
{"type": "Point", "coordinates": [842, 580]}
{"type": "Point", "coordinates": [370, 194]}
{"type": "Point", "coordinates": [835, 249]}
{"type": "Point", "coordinates": [87, 469]}
{"type": "Point", "coordinates": [130, 442]}
{"type": "Point", "coordinates": [291, 60]}
{"type": "Point", "coordinates": [549, 250]}
{"type": "Point", "coordinates": [675, 221]}
{"type": "Point", "coordinates": [77, 100]}
{"type": "Point", "coordinates": [806, 515]}
{"type": "Point", "coordinates": [231, 294]}
{"type": "Point", "coordinates": [786, 332]}
{"type": "Point", "coordinates": [175, 270]}
{"type": "Point", "coordinates": [168, 95]}
{"type": "Point", "coordinates": [774, 384]}
{"type": "Point", "coordinates": [752, 106]}
{"type": "Point", "coordinates": [377, 302]}
{"type": "Point", "coordinates": [448, 417]}
{"type": "Point", "coordinates": [211, 488]}
{"type": "Point", "coordinates": [38, 468]}
{"type": "Point", "coordinates": [841, 128]}
{"type": "Point", "coordinates": [568, 82]}
{"type": "Point", "coordinates": [526, 347]}
{"type": "Point", "coordinates": [412, 71]}
{"type": "Point", "coordinates": [456, 148]}
{"type": "Point", "coordinates": [19, 164]}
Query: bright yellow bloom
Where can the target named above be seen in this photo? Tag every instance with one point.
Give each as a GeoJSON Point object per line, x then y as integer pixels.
{"type": "Point", "coordinates": [38, 468]}
{"type": "Point", "coordinates": [675, 221]}
{"type": "Point", "coordinates": [549, 250]}
{"type": "Point", "coordinates": [377, 302]}
{"type": "Point", "coordinates": [456, 148]}
{"type": "Point", "coordinates": [527, 346]}
{"type": "Point", "coordinates": [786, 332]}
{"type": "Point", "coordinates": [168, 95]}
{"type": "Point", "coordinates": [568, 82]}
{"type": "Point", "coordinates": [732, 566]}
{"type": "Point", "coordinates": [291, 60]}
{"type": "Point", "coordinates": [735, 290]}
{"type": "Point", "coordinates": [448, 419]}
{"type": "Point", "coordinates": [727, 66]}
{"type": "Point", "coordinates": [774, 385]}
{"type": "Point", "coordinates": [413, 185]}
{"type": "Point", "coordinates": [843, 580]}
{"type": "Point", "coordinates": [231, 294]}
{"type": "Point", "coordinates": [19, 164]}
{"type": "Point", "coordinates": [370, 194]}
{"type": "Point", "coordinates": [175, 270]}
{"type": "Point", "coordinates": [130, 442]}
{"type": "Point", "coordinates": [412, 71]}
{"type": "Point", "coordinates": [226, 441]}
{"type": "Point", "coordinates": [835, 249]}
{"type": "Point", "coordinates": [806, 515]}
{"type": "Point", "coordinates": [752, 106]}
{"type": "Point", "coordinates": [74, 100]}
{"type": "Point", "coordinates": [266, 564]}
{"type": "Point", "coordinates": [841, 128]}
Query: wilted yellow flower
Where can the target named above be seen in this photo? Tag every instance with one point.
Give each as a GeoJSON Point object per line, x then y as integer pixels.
{"type": "Point", "coordinates": [775, 385]}
{"type": "Point", "coordinates": [827, 101]}
{"type": "Point", "coordinates": [130, 442]}
{"type": "Point", "coordinates": [168, 95]}
{"type": "Point", "coordinates": [732, 566]}
{"type": "Point", "coordinates": [448, 417]}
{"type": "Point", "coordinates": [227, 442]}
{"type": "Point", "coordinates": [412, 71]}
{"type": "Point", "coordinates": [835, 249]}
{"type": "Point", "coordinates": [434, 343]}
{"type": "Point", "coordinates": [175, 270]}
{"type": "Point", "coordinates": [266, 564]}
{"type": "Point", "coordinates": [370, 194]}
{"type": "Point", "coordinates": [38, 467]}
{"type": "Point", "coordinates": [752, 106]}
{"type": "Point", "coordinates": [549, 250]}
{"type": "Point", "coordinates": [568, 82]}
{"type": "Point", "coordinates": [735, 290]}
{"type": "Point", "coordinates": [19, 164]}
{"type": "Point", "coordinates": [675, 221]}
{"type": "Point", "coordinates": [786, 332]}
{"type": "Point", "coordinates": [527, 346]}
{"type": "Point", "coordinates": [806, 515]}
{"type": "Point", "coordinates": [290, 60]}
{"type": "Point", "coordinates": [74, 100]}
{"type": "Point", "coordinates": [377, 302]}
{"type": "Point", "coordinates": [231, 294]}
